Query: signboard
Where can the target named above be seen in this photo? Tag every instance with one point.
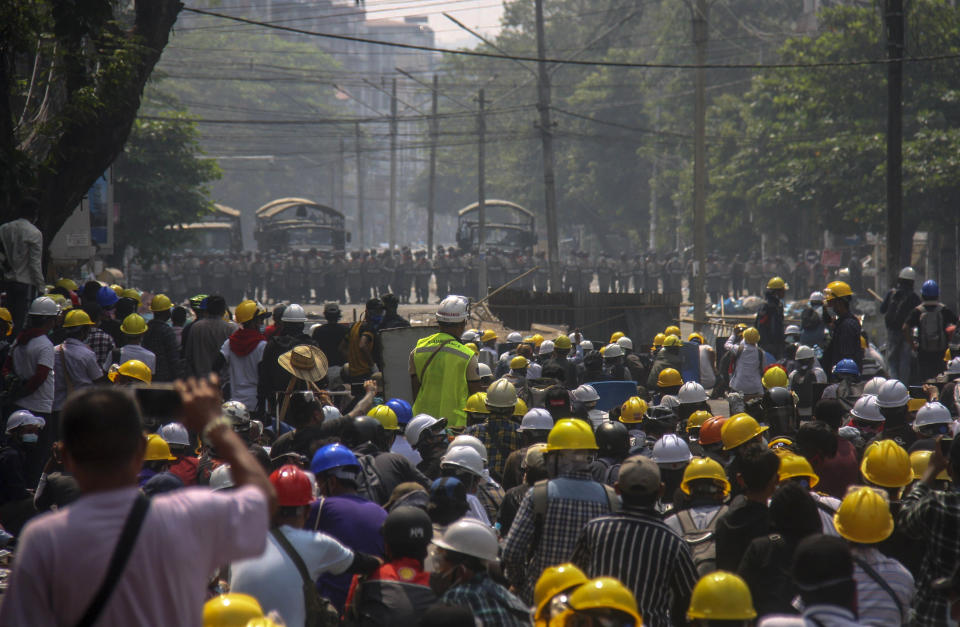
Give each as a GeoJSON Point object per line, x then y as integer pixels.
{"type": "Point", "coordinates": [397, 344]}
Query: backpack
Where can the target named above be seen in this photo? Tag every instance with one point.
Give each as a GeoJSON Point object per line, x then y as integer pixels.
{"type": "Point", "coordinates": [370, 486]}
{"type": "Point", "coordinates": [540, 498]}
{"type": "Point", "coordinates": [930, 331]}
{"type": "Point", "coordinates": [702, 542]}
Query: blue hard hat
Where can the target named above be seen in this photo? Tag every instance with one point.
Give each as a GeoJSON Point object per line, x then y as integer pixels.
{"type": "Point", "coordinates": [930, 290]}
{"type": "Point", "coordinates": [333, 456]}
{"type": "Point", "coordinates": [402, 409]}
{"type": "Point", "coordinates": [846, 366]}
{"type": "Point", "coordinates": [106, 297]}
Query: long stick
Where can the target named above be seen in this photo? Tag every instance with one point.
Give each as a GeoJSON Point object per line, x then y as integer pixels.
{"type": "Point", "coordinates": [506, 285]}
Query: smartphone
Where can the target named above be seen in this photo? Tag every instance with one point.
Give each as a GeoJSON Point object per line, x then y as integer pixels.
{"type": "Point", "coordinates": [945, 444]}
{"type": "Point", "coordinates": [160, 402]}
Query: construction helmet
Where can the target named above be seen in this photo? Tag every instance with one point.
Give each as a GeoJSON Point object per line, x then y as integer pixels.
{"type": "Point", "coordinates": [77, 318]}
{"type": "Point", "coordinates": [873, 385]}
{"type": "Point", "coordinates": [781, 446]}
{"type": "Point", "coordinates": [669, 377]}
{"type": "Point", "coordinates": [691, 392]}
{"type": "Point", "coordinates": [711, 431]}
{"type": "Point", "coordinates": [696, 336]}
{"type": "Point", "coordinates": [612, 350]}
{"type": "Point", "coordinates": [866, 408]}
{"type": "Point", "coordinates": [501, 394]}
{"type": "Point", "coordinates": [792, 466]}
{"type": "Point", "coordinates": [237, 412]}
{"type": "Point", "coordinates": [130, 293]}
{"type": "Point", "coordinates": [402, 409]}
{"type": "Point", "coordinates": [671, 449]}
{"type": "Point", "coordinates": [586, 393]}
{"type": "Point", "coordinates": [907, 273]}
{"type": "Point", "coordinates": [133, 368]}
{"type": "Point", "coordinates": [864, 516]}
{"type": "Point", "coordinates": [697, 419]}
{"type": "Point", "coordinates": [470, 537]}
{"type": "Point", "coordinates": [537, 339]}
{"type": "Point", "coordinates": [453, 309]}
{"type": "Point", "coordinates": [932, 414]}
{"type": "Point", "coordinates": [106, 297]}
{"type": "Point", "coordinates": [625, 343]}
{"type": "Point", "coordinates": [751, 335]}
{"type": "Point", "coordinates": [44, 306]}
{"type": "Point", "coordinates": [739, 429]}
{"type": "Point", "coordinates": [160, 302]}
{"type": "Point", "coordinates": [67, 284]}
{"type": "Point", "coordinates": [488, 336]}
{"type": "Point", "coordinates": [248, 310]}
{"type": "Point", "coordinates": [616, 335]}
{"type": "Point", "coordinates": [846, 366]}
{"type": "Point", "coordinates": [930, 290]}
{"type": "Point", "coordinates": [774, 377]}
{"type": "Point", "coordinates": [385, 416]}
{"type": "Point", "coordinates": [672, 340]}
{"type": "Point", "coordinates": [231, 610]}
{"type": "Point", "coordinates": [514, 337]}
{"type": "Point", "coordinates": [468, 336]}
{"type": "Point", "coordinates": [704, 468]}
{"type": "Point", "coordinates": [672, 330]}
{"type": "Point", "coordinates": [571, 434]}
{"type": "Point", "coordinates": [837, 289]}
{"type": "Point", "coordinates": [134, 324]}
{"type": "Point", "coordinates": [554, 580]}
{"type": "Point", "coordinates": [175, 433]}
{"type": "Point", "coordinates": [658, 339]}
{"type": "Point", "coordinates": [471, 442]}
{"type": "Point", "coordinates": [477, 403]}
{"type": "Point", "coordinates": [117, 289]}
{"type": "Point", "coordinates": [721, 596]}
{"type": "Point", "coordinates": [519, 363]}
{"type": "Point", "coordinates": [563, 343]}
{"type": "Point", "coordinates": [633, 410]}
{"type": "Point", "coordinates": [6, 317]}
{"type": "Point", "coordinates": [463, 457]}
{"type": "Point", "coordinates": [520, 408]}
{"type": "Point", "coordinates": [292, 485]}
{"type": "Point", "coordinates": [886, 464]}
{"type": "Point", "coordinates": [157, 449]}
{"type": "Point", "coordinates": [221, 478]}
{"type": "Point", "coordinates": [333, 456]}
{"type": "Point", "coordinates": [776, 283]}
{"type": "Point", "coordinates": [604, 593]}
{"type": "Point", "coordinates": [537, 419]}
{"type": "Point", "coordinates": [919, 460]}
{"type": "Point", "coordinates": [805, 352]}
{"type": "Point", "coordinates": [293, 313]}
{"type": "Point", "coordinates": [61, 301]}
{"type": "Point", "coordinates": [473, 347]}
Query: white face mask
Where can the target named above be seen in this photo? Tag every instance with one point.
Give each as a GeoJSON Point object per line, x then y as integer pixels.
{"type": "Point", "coordinates": [30, 438]}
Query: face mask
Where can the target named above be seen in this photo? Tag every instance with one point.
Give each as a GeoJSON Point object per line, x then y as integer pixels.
{"type": "Point", "coordinates": [262, 327]}
{"type": "Point", "coordinates": [30, 438]}
{"type": "Point", "coordinates": [441, 582]}
{"type": "Point", "coordinates": [376, 319]}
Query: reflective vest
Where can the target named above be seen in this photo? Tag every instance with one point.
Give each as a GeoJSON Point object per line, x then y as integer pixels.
{"type": "Point", "coordinates": [443, 386]}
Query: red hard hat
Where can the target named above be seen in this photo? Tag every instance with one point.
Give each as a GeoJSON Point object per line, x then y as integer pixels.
{"type": "Point", "coordinates": [710, 430]}
{"type": "Point", "coordinates": [292, 485]}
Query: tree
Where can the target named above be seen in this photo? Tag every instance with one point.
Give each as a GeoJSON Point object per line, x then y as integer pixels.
{"type": "Point", "coordinates": [71, 76]}
{"type": "Point", "coordinates": [161, 180]}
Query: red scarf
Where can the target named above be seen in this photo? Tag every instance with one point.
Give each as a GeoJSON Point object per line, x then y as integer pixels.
{"type": "Point", "coordinates": [28, 334]}
{"type": "Point", "coordinates": [243, 341]}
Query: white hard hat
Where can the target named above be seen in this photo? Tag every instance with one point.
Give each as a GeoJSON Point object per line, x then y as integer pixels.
{"type": "Point", "coordinates": [470, 537]}
{"type": "Point", "coordinates": [908, 273]}
{"type": "Point", "coordinates": [586, 393]}
{"type": "Point", "coordinates": [612, 350]}
{"type": "Point", "coordinates": [484, 370]}
{"type": "Point", "coordinates": [816, 297]}
{"type": "Point", "coordinates": [692, 392]}
{"type": "Point", "coordinates": [514, 337]}
{"type": "Point", "coordinates": [175, 433]}
{"type": "Point", "coordinates": [625, 343]}
{"type": "Point", "coordinates": [873, 385]}
{"type": "Point", "coordinates": [866, 408]}
{"type": "Point", "coordinates": [586, 345]}
{"type": "Point", "coordinates": [546, 347]}
{"type": "Point", "coordinates": [463, 457]}
{"type": "Point", "coordinates": [468, 336]}
{"type": "Point", "coordinates": [671, 449]}
{"type": "Point", "coordinates": [792, 330]}
{"type": "Point", "coordinates": [331, 413]}
{"type": "Point", "coordinates": [537, 419]}
{"type": "Point", "coordinates": [293, 313]}
{"type": "Point", "coordinates": [312, 328]}
{"type": "Point", "coordinates": [236, 411]}
{"type": "Point", "coordinates": [953, 366]}
{"type": "Point", "coordinates": [24, 418]}
{"type": "Point", "coordinates": [419, 424]}
{"type": "Point", "coordinates": [221, 478]}
{"type": "Point", "coordinates": [452, 309]}
{"type": "Point", "coordinates": [44, 306]}
{"type": "Point", "coordinates": [572, 337]}
{"type": "Point", "coordinates": [501, 394]}
{"type": "Point", "coordinates": [804, 352]}
{"type": "Point", "coordinates": [470, 442]}
{"type": "Point", "coordinates": [931, 414]}
{"type": "Point", "coordinates": [892, 393]}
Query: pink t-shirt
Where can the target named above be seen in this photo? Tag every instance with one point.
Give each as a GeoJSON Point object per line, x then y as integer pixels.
{"type": "Point", "coordinates": [62, 557]}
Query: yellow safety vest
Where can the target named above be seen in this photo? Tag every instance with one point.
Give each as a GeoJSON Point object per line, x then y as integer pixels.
{"type": "Point", "coordinates": [443, 386]}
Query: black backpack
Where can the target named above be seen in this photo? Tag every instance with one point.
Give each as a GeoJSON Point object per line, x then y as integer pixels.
{"type": "Point", "coordinates": [930, 332]}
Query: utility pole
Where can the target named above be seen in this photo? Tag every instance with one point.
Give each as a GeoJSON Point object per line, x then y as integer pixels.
{"type": "Point", "coordinates": [546, 134]}
{"type": "Point", "coordinates": [895, 45]}
{"type": "Point", "coordinates": [697, 291]}
{"type": "Point", "coordinates": [432, 192]}
{"type": "Point", "coordinates": [393, 164]}
{"type": "Point", "coordinates": [360, 240]}
{"type": "Point", "coordinates": [653, 191]}
{"type": "Point", "coordinates": [482, 193]}
{"type": "Point", "coordinates": [342, 167]}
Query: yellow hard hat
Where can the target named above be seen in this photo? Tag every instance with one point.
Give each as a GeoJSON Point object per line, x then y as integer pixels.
{"type": "Point", "coordinates": [669, 377]}
{"type": "Point", "coordinates": [263, 622]}
{"type": "Point", "coordinates": [519, 363]}
{"type": "Point", "coordinates": [796, 466]}
{"type": "Point", "coordinates": [919, 460]}
{"type": "Point", "coordinates": [160, 302]}
{"type": "Point", "coordinates": [65, 283]}
{"type": "Point", "coordinates": [77, 318]}
{"type": "Point", "coordinates": [696, 336]}
{"type": "Point", "coordinates": [488, 335]}
{"type": "Point", "coordinates": [886, 463]}
{"type": "Point", "coordinates": [6, 317]}
{"type": "Point", "coordinates": [552, 582]}
{"type": "Point", "coordinates": [248, 310]}
{"type": "Point", "coordinates": [231, 610]}
{"type": "Point", "coordinates": [633, 410]}
{"type": "Point", "coordinates": [864, 516]}
{"type": "Point", "coordinates": [537, 339]}
{"type": "Point", "coordinates": [672, 330]}
{"type": "Point", "coordinates": [571, 434]}
{"type": "Point", "coordinates": [157, 449]}
{"type": "Point", "coordinates": [133, 368]}
{"type": "Point", "coordinates": [774, 377]}
{"type": "Point", "coordinates": [130, 293]}
{"type": "Point", "coordinates": [616, 335]}
{"type": "Point", "coordinates": [781, 446]}
{"type": "Point", "coordinates": [658, 339]}
{"type": "Point", "coordinates": [697, 418]}
{"type": "Point", "coordinates": [751, 335]}
{"type": "Point", "coordinates": [672, 340]}
{"type": "Point", "coordinates": [520, 409]}
{"type": "Point", "coordinates": [117, 289]}
{"type": "Point", "coordinates": [563, 343]}
{"type": "Point", "coordinates": [59, 299]}
{"type": "Point", "coordinates": [721, 596]}
{"type": "Point", "coordinates": [604, 593]}
{"type": "Point", "coordinates": [385, 416]}
{"type": "Point", "coordinates": [704, 468]}
{"type": "Point", "coordinates": [134, 324]}
{"type": "Point", "coordinates": [776, 283]}
{"type": "Point", "coordinates": [477, 403]}
{"type": "Point", "coordinates": [740, 428]}
{"type": "Point", "coordinates": [837, 289]}
{"type": "Point", "coordinates": [472, 346]}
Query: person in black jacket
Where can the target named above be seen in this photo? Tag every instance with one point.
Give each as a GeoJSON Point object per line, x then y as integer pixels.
{"type": "Point", "coordinates": [748, 516]}
{"type": "Point", "coordinates": [272, 377]}
{"type": "Point", "coordinates": [769, 319]}
{"type": "Point", "coordinates": [899, 301]}
{"type": "Point", "coordinates": [161, 340]}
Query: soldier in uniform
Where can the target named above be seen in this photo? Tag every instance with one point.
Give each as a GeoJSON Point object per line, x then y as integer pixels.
{"type": "Point", "coordinates": [401, 275]}
{"type": "Point", "coordinates": [337, 281]}
{"type": "Point", "coordinates": [316, 277]}
{"type": "Point", "coordinates": [469, 261]}
{"type": "Point", "coordinates": [387, 270]}
{"type": "Point", "coordinates": [604, 274]}
{"type": "Point", "coordinates": [494, 271]}
{"type": "Point", "coordinates": [510, 269]}
{"type": "Point", "coordinates": [542, 274]}
{"type": "Point", "coordinates": [714, 279]}
{"type": "Point", "coordinates": [421, 275]}
{"type": "Point", "coordinates": [637, 270]}
{"type": "Point", "coordinates": [440, 274]}
{"type": "Point", "coordinates": [672, 271]}
{"type": "Point", "coordinates": [192, 273]}
{"type": "Point", "coordinates": [354, 282]}
{"type": "Point", "coordinates": [652, 274]}
{"type": "Point", "coordinates": [624, 272]}
{"type": "Point", "coordinates": [458, 274]}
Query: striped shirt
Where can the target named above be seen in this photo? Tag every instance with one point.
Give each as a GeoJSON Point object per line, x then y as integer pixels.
{"type": "Point", "coordinates": [491, 603]}
{"type": "Point", "coordinates": [640, 550]}
{"type": "Point", "coordinates": [875, 606]}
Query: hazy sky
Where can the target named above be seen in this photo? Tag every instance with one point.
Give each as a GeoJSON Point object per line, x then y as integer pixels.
{"type": "Point", "coordinates": [482, 15]}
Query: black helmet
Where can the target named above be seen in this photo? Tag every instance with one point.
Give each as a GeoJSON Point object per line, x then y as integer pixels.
{"type": "Point", "coordinates": [613, 439]}
{"type": "Point", "coordinates": [363, 429]}
{"type": "Point", "coordinates": [407, 531]}
{"type": "Point", "coordinates": [779, 397]}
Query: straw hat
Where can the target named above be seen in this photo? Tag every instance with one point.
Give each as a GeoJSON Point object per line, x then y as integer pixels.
{"type": "Point", "coordinates": [304, 362]}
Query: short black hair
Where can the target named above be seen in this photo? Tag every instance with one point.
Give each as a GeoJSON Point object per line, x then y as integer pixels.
{"type": "Point", "coordinates": [178, 315]}
{"type": "Point", "coordinates": [830, 411]}
{"type": "Point", "coordinates": [823, 570]}
{"type": "Point", "coordinates": [216, 306]}
{"type": "Point", "coordinates": [757, 465]}
{"type": "Point", "coordinates": [793, 512]}
{"type": "Point", "coordinates": [93, 310]}
{"type": "Point", "coordinates": [816, 437]}
{"type": "Point", "coordinates": [278, 312]}
{"type": "Point", "coordinates": [101, 428]}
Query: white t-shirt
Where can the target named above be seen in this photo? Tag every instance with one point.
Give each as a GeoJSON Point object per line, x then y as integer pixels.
{"type": "Point", "coordinates": [273, 578]}
{"type": "Point", "coordinates": [81, 364]}
{"type": "Point", "coordinates": [243, 373]}
{"type": "Point", "coordinates": [37, 352]}
{"type": "Point", "coordinates": [134, 351]}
